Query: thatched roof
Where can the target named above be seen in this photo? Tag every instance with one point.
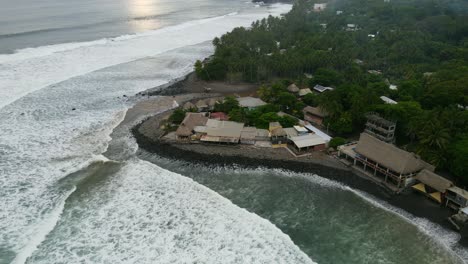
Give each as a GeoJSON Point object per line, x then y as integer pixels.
{"type": "Point", "coordinates": [389, 155]}
{"type": "Point", "coordinates": [433, 180]}
{"type": "Point", "coordinates": [248, 133]}
{"type": "Point", "coordinates": [183, 131]}
{"type": "Point", "coordinates": [317, 111]}
{"type": "Point", "coordinates": [201, 104]}
{"type": "Point", "coordinates": [190, 121]}
{"type": "Point", "coordinates": [211, 102]}
{"type": "Point", "coordinates": [250, 102]}
{"type": "Point", "coordinates": [293, 88]}
{"type": "Point", "coordinates": [305, 91]}
{"type": "Point", "coordinates": [188, 105]}
{"type": "Point", "coordinates": [278, 132]}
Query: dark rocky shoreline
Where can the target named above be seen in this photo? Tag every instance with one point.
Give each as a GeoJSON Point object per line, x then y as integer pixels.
{"type": "Point", "coordinates": [413, 203]}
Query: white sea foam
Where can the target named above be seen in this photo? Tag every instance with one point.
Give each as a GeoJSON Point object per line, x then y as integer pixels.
{"type": "Point", "coordinates": [48, 224]}
{"type": "Point", "coordinates": [52, 64]}
{"type": "Point", "coordinates": [440, 235]}
{"type": "Point", "coordinates": [41, 144]}
{"type": "Point", "coordinates": [145, 214]}
{"type": "Point", "coordinates": [42, 139]}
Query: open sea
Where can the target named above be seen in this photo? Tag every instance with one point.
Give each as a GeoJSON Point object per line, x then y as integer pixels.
{"type": "Point", "coordinates": [73, 189]}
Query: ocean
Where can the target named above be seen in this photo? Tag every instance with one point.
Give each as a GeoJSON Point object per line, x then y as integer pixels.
{"type": "Point", "coordinates": [73, 189]}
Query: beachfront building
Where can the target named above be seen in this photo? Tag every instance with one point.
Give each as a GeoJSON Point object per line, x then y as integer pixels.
{"type": "Point", "coordinates": [456, 198]}
{"type": "Point", "coordinates": [262, 135]}
{"type": "Point", "coordinates": [318, 132]}
{"type": "Point", "coordinates": [290, 132]}
{"type": "Point", "coordinates": [222, 132]}
{"type": "Point", "coordinates": [250, 102]}
{"type": "Point", "coordinates": [248, 135]}
{"type": "Point", "coordinates": [380, 128]}
{"type": "Point", "coordinates": [432, 185]}
{"type": "Point", "coordinates": [186, 129]}
{"type": "Point", "coordinates": [308, 142]}
{"type": "Point", "coordinates": [278, 136]}
{"type": "Point", "coordinates": [386, 163]}
{"type": "Point", "coordinates": [314, 115]}
{"type": "Point", "coordinates": [301, 130]}
{"type": "Point", "coordinates": [460, 220]}
{"type": "Point", "coordinates": [320, 89]}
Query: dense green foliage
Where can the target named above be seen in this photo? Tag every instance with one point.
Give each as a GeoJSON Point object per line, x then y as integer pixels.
{"type": "Point", "coordinates": [177, 116]}
{"type": "Point", "coordinates": [336, 141]}
{"type": "Point", "coordinates": [419, 45]}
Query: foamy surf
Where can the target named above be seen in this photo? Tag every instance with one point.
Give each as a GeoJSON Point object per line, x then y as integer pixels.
{"type": "Point", "coordinates": [47, 225]}
{"type": "Point", "coordinates": [48, 65]}
{"type": "Point", "coordinates": [441, 236]}
{"type": "Point", "coordinates": [145, 214]}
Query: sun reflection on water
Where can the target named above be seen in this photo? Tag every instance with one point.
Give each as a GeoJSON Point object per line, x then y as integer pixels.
{"type": "Point", "coordinates": [144, 14]}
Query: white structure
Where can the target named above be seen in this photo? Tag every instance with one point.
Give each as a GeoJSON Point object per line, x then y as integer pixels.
{"type": "Point", "coordinates": [393, 87]}
{"type": "Point", "coordinates": [339, 12]}
{"type": "Point", "coordinates": [388, 100]}
{"type": "Point", "coordinates": [250, 102]}
{"type": "Point", "coordinates": [305, 91]}
{"type": "Point", "coordinates": [319, 88]}
{"type": "Point", "coordinates": [351, 27]}
{"type": "Point", "coordinates": [318, 132]}
{"type": "Point", "coordinates": [301, 130]}
{"type": "Point", "coordinates": [309, 141]}
{"type": "Point", "coordinates": [320, 7]}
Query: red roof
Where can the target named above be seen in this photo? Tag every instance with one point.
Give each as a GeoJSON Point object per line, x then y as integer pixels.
{"type": "Point", "coordinates": [219, 116]}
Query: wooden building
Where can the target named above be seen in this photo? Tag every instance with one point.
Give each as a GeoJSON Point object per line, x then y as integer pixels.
{"type": "Point", "coordinates": [380, 128]}
{"type": "Point", "coordinates": [432, 185]}
{"type": "Point", "coordinates": [278, 136]}
{"type": "Point", "coordinates": [248, 135]}
{"type": "Point", "coordinates": [314, 115]}
{"type": "Point", "coordinates": [191, 120]}
{"type": "Point", "coordinates": [308, 142]}
{"type": "Point", "coordinates": [393, 166]}
{"type": "Point", "coordinates": [222, 131]}
{"type": "Point", "coordinates": [456, 198]}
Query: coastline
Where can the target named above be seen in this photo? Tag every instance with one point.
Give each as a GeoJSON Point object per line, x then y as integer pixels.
{"type": "Point", "coordinates": [148, 139]}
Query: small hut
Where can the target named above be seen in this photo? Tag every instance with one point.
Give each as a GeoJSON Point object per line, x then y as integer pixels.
{"type": "Point", "coordinates": [293, 88]}
{"type": "Point", "coordinates": [278, 136]}
{"type": "Point", "coordinates": [211, 103]}
{"type": "Point", "coordinates": [188, 106]}
{"type": "Point", "coordinates": [432, 185]}
{"type": "Point", "coordinates": [202, 106]}
{"type": "Point", "coordinates": [303, 92]}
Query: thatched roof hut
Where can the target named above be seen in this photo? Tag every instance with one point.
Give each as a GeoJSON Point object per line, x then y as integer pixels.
{"type": "Point", "coordinates": [188, 106]}
{"type": "Point", "coordinates": [390, 156]}
{"type": "Point", "coordinates": [293, 88]}
{"type": "Point", "coordinates": [190, 121]}
{"type": "Point", "coordinates": [317, 111]}
{"type": "Point", "coordinates": [433, 180]}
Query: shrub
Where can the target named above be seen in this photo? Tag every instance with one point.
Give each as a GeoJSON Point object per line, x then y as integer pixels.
{"type": "Point", "coordinates": [336, 141]}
